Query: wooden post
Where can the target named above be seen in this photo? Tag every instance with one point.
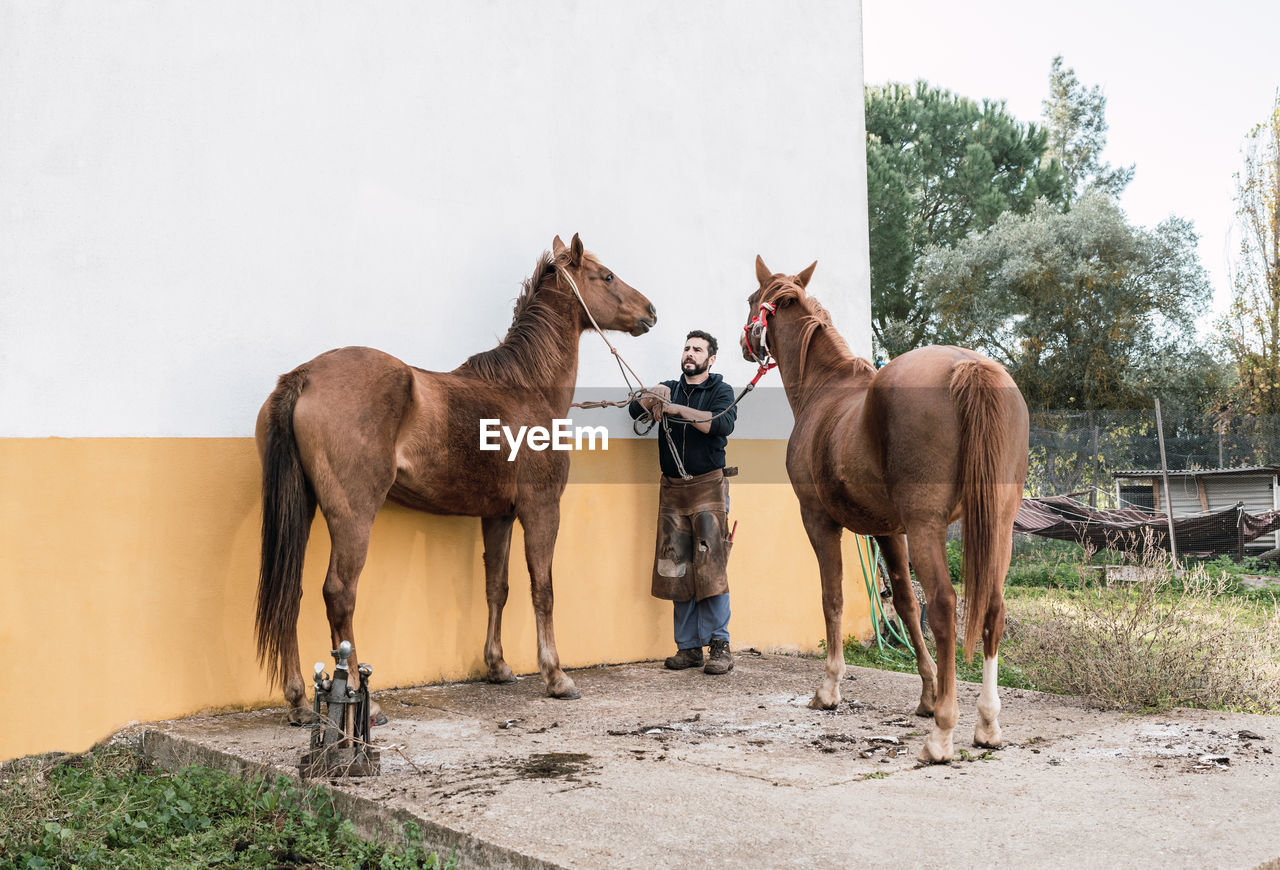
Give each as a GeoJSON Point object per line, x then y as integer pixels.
{"type": "Point", "coordinates": [1164, 473]}
{"type": "Point", "coordinates": [1240, 533]}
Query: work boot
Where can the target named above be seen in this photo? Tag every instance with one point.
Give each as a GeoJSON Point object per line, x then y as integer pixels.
{"type": "Point", "coordinates": [685, 658]}
{"type": "Point", "coordinates": [721, 661]}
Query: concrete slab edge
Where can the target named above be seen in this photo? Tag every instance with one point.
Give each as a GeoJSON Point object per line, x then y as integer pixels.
{"type": "Point", "coordinates": [372, 820]}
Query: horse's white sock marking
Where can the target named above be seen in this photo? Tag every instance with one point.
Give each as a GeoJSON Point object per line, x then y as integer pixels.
{"type": "Point", "coordinates": [987, 732]}
{"type": "Point", "coordinates": [989, 699]}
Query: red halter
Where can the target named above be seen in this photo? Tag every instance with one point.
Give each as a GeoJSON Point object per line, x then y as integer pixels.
{"type": "Point", "coordinates": [761, 320]}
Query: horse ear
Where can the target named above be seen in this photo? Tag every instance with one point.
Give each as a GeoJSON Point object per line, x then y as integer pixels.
{"type": "Point", "coordinates": [762, 271]}
{"type": "Point", "coordinates": [575, 250]}
{"type": "Point", "coordinates": [803, 278]}
{"type": "Point", "coordinates": [557, 246]}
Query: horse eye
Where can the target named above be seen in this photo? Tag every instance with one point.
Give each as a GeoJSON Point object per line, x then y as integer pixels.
{"type": "Point", "coordinates": [608, 278]}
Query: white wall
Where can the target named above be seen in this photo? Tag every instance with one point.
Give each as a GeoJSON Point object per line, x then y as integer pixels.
{"type": "Point", "coordinates": [195, 197]}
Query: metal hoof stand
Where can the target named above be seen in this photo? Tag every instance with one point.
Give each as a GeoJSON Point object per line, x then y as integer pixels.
{"type": "Point", "coordinates": [340, 744]}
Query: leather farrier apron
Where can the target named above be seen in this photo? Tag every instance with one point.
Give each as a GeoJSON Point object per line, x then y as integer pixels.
{"type": "Point", "coordinates": [693, 537]}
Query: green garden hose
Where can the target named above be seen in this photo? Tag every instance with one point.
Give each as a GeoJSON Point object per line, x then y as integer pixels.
{"type": "Point", "coordinates": [896, 627]}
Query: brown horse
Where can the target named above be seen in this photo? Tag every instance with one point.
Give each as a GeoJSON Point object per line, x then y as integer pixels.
{"type": "Point", "coordinates": [938, 434]}
{"type": "Point", "coordinates": [355, 427]}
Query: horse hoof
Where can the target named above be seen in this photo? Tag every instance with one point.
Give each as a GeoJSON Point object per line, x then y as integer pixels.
{"type": "Point", "coordinates": [924, 710]}
{"type": "Point", "coordinates": [936, 752]}
{"type": "Point", "coordinates": [501, 673]}
{"type": "Point", "coordinates": [988, 738]}
{"type": "Point", "coordinates": [564, 689]}
{"type": "Point", "coordinates": [820, 703]}
{"type": "Point", "coordinates": [299, 716]}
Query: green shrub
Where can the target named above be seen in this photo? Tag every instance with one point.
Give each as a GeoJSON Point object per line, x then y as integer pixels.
{"type": "Point", "coordinates": [955, 562]}
{"type": "Point", "coordinates": [1247, 565]}
{"type": "Point", "coordinates": [1053, 567]}
{"type": "Point", "coordinates": [1050, 575]}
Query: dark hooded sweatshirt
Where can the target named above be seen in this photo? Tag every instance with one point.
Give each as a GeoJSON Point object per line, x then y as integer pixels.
{"type": "Point", "coordinates": [700, 453]}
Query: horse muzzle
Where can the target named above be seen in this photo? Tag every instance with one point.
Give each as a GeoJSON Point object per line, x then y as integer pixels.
{"type": "Point", "coordinates": [644, 324]}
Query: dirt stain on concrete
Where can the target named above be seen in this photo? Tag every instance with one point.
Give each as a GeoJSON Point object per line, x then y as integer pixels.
{"type": "Point", "coordinates": [552, 765]}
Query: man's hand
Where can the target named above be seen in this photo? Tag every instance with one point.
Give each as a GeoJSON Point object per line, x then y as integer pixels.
{"type": "Point", "coordinates": [655, 399]}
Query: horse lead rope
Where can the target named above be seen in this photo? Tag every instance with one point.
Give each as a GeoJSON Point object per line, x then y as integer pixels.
{"type": "Point", "coordinates": [633, 393]}
{"type": "Point", "coordinates": [623, 365]}
{"type": "Point", "coordinates": [636, 393]}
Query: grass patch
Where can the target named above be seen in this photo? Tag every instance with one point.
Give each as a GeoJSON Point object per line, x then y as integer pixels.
{"type": "Point", "coordinates": [1163, 640]}
{"type": "Point", "coordinates": [1191, 638]}
{"type": "Point", "coordinates": [1247, 565]}
{"type": "Point", "coordinates": [111, 808]}
{"type": "Point", "coordinates": [986, 755]}
{"type": "Point", "coordinates": [898, 659]}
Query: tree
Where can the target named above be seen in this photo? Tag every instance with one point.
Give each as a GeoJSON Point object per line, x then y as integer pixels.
{"type": "Point", "coordinates": [1251, 329]}
{"type": "Point", "coordinates": [1075, 119]}
{"type": "Point", "coordinates": [1084, 310]}
{"type": "Point", "coordinates": [939, 166]}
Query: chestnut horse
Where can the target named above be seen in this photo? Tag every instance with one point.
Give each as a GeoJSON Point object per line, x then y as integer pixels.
{"type": "Point", "coordinates": [355, 427]}
{"type": "Point", "coordinates": [938, 434]}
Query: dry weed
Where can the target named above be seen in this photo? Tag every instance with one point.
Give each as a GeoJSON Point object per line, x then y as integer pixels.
{"type": "Point", "coordinates": [1153, 640]}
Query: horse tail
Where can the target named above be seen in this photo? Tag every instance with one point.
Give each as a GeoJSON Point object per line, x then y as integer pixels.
{"type": "Point", "coordinates": [978, 388]}
{"type": "Point", "coordinates": [288, 507]}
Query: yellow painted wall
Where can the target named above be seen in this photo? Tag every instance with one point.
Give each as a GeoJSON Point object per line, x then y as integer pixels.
{"type": "Point", "coordinates": [128, 569]}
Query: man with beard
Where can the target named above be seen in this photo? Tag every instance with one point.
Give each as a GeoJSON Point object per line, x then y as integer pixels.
{"type": "Point", "coordinates": [694, 418]}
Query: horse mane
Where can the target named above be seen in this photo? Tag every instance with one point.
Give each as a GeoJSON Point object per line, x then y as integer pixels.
{"type": "Point", "coordinates": [816, 319]}
{"type": "Point", "coordinates": [532, 351]}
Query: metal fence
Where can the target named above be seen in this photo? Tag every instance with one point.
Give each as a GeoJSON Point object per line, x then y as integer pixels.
{"type": "Point", "coordinates": [1078, 452]}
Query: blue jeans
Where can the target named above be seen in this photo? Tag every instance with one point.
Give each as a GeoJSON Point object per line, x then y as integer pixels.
{"type": "Point", "coordinates": [697, 623]}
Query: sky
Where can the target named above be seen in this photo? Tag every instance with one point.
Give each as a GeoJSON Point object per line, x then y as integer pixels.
{"type": "Point", "coordinates": [1184, 82]}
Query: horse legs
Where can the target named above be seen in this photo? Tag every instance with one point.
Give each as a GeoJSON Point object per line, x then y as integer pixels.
{"type": "Point", "coordinates": [928, 553]}
{"type": "Point", "coordinates": [987, 731]}
{"type": "Point", "coordinates": [541, 522]}
{"type": "Point", "coordinates": [497, 550]}
{"type": "Point", "coordinates": [349, 536]}
{"type": "Point", "coordinates": [824, 536]}
{"type": "Point", "coordinates": [294, 690]}
{"type": "Point", "coordinates": [894, 548]}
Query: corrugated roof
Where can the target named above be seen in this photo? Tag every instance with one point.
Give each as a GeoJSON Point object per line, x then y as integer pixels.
{"type": "Point", "coordinates": [1246, 469]}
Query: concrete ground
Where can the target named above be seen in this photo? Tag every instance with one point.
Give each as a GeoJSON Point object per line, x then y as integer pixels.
{"type": "Point", "coordinates": [654, 768]}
